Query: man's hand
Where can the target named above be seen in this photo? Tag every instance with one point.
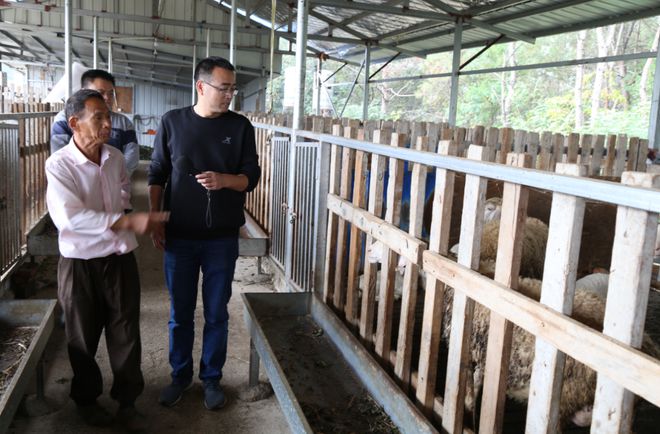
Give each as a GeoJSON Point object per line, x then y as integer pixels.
{"type": "Point", "coordinates": [141, 222]}
{"type": "Point", "coordinates": [216, 181]}
{"type": "Point", "coordinates": [158, 236]}
{"type": "Point", "coordinates": [212, 180]}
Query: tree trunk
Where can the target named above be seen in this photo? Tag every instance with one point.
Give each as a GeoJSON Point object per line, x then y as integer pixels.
{"type": "Point", "coordinates": [604, 37]}
{"type": "Point", "coordinates": [643, 96]}
{"type": "Point", "coordinates": [579, 76]}
{"type": "Point", "coordinates": [508, 84]}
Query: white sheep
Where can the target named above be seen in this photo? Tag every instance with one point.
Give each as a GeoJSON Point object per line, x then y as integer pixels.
{"type": "Point", "coordinates": [579, 383]}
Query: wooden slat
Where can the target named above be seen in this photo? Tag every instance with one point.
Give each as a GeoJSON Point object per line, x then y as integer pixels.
{"type": "Point", "coordinates": [545, 154]}
{"type": "Point", "coordinates": [620, 160]}
{"type": "Point", "coordinates": [627, 366]}
{"type": "Point", "coordinates": [355, 249]}
{"type": "Point", "coordinates": [572, 148]}
{"type": "Point", "coordinates": [411, 273]}
{"type": "Point", "coordinates": [611, 155]}
{"type": "Point", "coordinates": [558, 288]}
{"type": "Point", "coordinates": [492, 138]}
{"type": "Point", "coordinates": [625, 309]}
{"type": "Point", "coordinates": [386, 292]}
{"type": "Point", "coordinates": [641, 157]}
{"type": "Point", "coordinates": [432, 319]}
{"type": "Point", "coordinates": [586, 141]}
{"type": "Point", "coordinates": [478, 136]}
{"type": "Point", "coordinates": [463, 307]}
{"type": "Point", "coordinates": [506, 144]}
{"type": "Point", "coordinates": [347, 162]}
{"type": "Point", "coordinates": [331, 250]}
{"type": "Point", "coordinates": [633, 151]}
{"type": "Point", "coordinates": [597, 155]}
{"type": "Point", "coordinates": [507, 267]}
{"type": "Point", "coordinates": [375, 207]}
{"type": "Point", "coordinates": [533, 146]}
{"type": "Point", "coordinates": [459, 139]}
{"type": "Point", "coordinates": [557, 151]}
{"type": "Point", "coordinates": [520, 137]}
{"type": "Point", "coordinates": [395, 239]}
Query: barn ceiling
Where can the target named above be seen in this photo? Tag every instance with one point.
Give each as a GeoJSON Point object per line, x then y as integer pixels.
{"type": "Point", "coordinates": [153, 40]}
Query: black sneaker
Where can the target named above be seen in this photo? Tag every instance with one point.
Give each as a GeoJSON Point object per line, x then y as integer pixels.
{"type": "Point", "coordinates": [173, 393]}
{"type": "Point", "coordinates": [214, 396]}
{"type": "Point", "coordinates": [95, 415]}
{"type": "Point", "coordinates": [131, 420]}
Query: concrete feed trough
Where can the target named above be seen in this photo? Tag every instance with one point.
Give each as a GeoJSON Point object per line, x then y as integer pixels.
{"type": "Point", "coordinates": [37, 314]}
{"type": "Point", "coordinates": [323, 378]}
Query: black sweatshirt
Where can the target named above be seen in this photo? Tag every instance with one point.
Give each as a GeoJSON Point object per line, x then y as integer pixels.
{"type": "Point", "coordinates": [223, 144]}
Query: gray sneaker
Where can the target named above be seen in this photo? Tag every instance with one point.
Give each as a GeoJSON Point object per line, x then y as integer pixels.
{"type": "Point", "coordinates": [173, 393]}
{"type": "Point", "coordinates": [214, 396]}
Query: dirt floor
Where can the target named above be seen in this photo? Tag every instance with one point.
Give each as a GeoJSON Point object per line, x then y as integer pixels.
{"type": "Point", "coordinates": [189, 415]}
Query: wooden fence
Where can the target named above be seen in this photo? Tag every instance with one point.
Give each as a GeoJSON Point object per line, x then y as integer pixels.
{"type": "Point", "coordinates": [406, 334]}
{"type": "Point", "coordinates": [25, 148]}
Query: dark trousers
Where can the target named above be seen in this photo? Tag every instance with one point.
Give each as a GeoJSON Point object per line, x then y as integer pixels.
{"type": "Point", "coordinates": [216, 258]}
{"type": "Point", "coordinates": [96, 294]}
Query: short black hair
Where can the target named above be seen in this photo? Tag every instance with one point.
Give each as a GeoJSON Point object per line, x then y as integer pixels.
{"type": "Point", "coordinates": [205, 66]}
{"type": "Point", "coordinates": [92, 74]}
{"type": "Point", "coordinates": [75, 105]}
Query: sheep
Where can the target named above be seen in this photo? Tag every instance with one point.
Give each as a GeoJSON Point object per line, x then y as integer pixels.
{"type": "Point", "coordinates": [595, 282]}
{"type": "Point", "coordinates": [579, 381]}
{"type": "Point", "coordinates": [535, 239]}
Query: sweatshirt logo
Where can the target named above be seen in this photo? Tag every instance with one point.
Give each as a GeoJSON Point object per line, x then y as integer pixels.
{"type": "Point", "coordinates": [227, 141]}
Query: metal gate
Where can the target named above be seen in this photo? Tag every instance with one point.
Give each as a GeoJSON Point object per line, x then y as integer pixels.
{"type": "Point", "coordinates": [294, 209]}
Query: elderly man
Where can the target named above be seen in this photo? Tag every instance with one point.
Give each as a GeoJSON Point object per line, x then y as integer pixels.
{"type": "Point", "coordinates": [98, 284]}
{"type": "Point", "coordinates": [218, 147]}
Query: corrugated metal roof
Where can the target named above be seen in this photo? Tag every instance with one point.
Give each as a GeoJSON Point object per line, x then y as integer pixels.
{"type": "Point", "coordinates": [160, 49]}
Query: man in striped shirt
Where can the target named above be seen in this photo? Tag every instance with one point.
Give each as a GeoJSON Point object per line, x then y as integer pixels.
{"type": "Point", "coordinates": [122, 135]}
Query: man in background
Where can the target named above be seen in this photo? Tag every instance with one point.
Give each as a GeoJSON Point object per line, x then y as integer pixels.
{"type": "Point", "coordinates": [122, 135]}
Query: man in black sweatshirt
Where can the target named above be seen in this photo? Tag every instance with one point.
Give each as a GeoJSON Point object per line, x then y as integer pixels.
{"type": "Point", "coordinates": [203, 163]}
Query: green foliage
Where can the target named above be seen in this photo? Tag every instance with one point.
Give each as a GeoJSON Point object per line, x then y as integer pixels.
{"type": "Point", "coordinates": [542, 99]}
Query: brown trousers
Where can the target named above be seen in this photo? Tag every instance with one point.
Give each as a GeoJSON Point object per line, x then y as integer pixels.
{"type": "Point", "coordinates": [96, 294]}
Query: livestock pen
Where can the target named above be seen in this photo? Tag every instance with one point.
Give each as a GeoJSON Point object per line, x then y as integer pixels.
{"type": "Point", "coordinates": [323, 202]}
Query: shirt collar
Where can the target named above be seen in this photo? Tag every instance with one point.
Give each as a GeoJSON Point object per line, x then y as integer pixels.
{"type": "Point", "coordinates": [80, 158]}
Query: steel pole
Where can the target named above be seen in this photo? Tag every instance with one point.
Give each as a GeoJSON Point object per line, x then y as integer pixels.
{"type": "Point", "coordinates": [654, 122]}
{"type": "Point", "coordinates": [110, 55]}
{"type": "Point", "coordinates": [68, 20]}
{"type": "Point", "coordinates": [365, 95]}
{"type": "Point", "coordinates": [96, 42]}
{"type": "Point", "coordinates": [455, 69]}
{"type": "Point", "coordinates": [194, 64]}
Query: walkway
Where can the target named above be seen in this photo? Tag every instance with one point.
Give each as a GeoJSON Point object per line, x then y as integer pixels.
{"type": "Point", "coordinates": [189, 415]}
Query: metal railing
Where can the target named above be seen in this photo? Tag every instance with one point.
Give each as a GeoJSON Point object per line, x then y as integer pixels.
{"type": "Point", "coordinates": [24, 148]}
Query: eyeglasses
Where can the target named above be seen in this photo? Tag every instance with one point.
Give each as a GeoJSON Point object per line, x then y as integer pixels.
{"type": "Point", "coordinates": [226, 90]}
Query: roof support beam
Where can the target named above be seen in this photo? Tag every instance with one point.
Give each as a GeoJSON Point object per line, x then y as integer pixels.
{"type": "Point", "coordinates": [344, 23]}
{"type": "Point", "coordinates": [21, 45]}
{"type": "Point", "coordinates": [380, 8]}
{"type": "Point", "coordinates": [136, 18]}
{"type": "Point", "coordinates": [591, 60]}
{"type": "Point", "coordinates": [46, 47]}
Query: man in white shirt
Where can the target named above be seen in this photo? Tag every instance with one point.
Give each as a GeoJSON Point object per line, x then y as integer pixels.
{"type": "Point", "coordinates": [98, 283]}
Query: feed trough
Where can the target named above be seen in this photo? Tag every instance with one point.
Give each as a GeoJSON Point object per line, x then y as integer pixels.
{"type": "Point", "coordinates": [322, 376]}
{"type": "Point", "coordinates": [26, 325]}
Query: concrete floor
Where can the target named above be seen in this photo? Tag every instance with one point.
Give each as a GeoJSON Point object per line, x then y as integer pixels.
{"type": "Point", "coordinates": [189, 415]}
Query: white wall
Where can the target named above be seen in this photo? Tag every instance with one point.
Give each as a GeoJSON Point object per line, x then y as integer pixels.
{"type": "Point", "coordinates": [150, 103]}
{"type": "Point", "coordinates": [254, 95]}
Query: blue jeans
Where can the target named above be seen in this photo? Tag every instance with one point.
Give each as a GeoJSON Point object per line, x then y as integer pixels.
{"type": "Point", "coordinates": [183, 260]}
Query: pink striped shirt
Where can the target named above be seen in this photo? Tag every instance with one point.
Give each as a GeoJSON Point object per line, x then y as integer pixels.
{"type": "Point", "coordinates": [85, 200]}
